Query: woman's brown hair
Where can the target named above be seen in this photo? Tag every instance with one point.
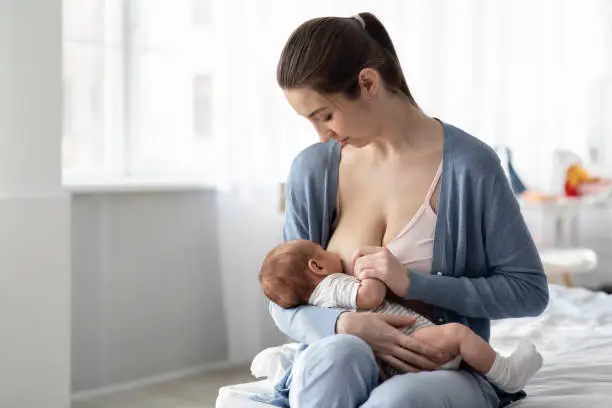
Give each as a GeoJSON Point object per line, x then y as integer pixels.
{"type": "Point", "coordinates": [327, 54]}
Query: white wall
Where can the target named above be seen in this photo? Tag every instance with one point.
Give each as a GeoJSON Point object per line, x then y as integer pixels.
{"type": "Point", "coordinates": [250, 224]}
{"type": "Point", "coordinates": [146, 286]}
{"type": "Point", "coordinates": [34, 212]}
{"type": "Point", "coordinates": [166, 282]}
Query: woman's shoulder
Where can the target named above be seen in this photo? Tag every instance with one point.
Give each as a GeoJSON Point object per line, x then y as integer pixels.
{"type": "Point", "coordinates": [469, 154]}
{"type": "Point", "coordinates": [314, 161]}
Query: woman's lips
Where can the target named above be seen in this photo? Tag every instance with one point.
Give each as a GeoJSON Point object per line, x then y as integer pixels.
{"type": "Point", "coordinates": [343, 141]}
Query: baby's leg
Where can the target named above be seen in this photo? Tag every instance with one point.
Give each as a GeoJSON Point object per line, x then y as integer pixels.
{"type": "Point", "coordinates": [458, 339]}
{"type": "Point", "coordinates": [508, 373]}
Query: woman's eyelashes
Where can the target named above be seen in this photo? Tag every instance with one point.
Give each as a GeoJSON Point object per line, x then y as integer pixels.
{"type": "Point", "coordinates": [321, 119]}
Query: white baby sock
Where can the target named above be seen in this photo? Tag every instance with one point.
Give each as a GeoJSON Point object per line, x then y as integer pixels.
{"type": "Point", "coordinates": [512, 373]}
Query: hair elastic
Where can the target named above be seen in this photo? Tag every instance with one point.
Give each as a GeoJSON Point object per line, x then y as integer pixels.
{"type": "Point", "coordinates": [360, 19]}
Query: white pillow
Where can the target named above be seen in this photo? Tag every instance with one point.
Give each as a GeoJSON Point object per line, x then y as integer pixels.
{"type": "Point", "coordinates": [272, 362]}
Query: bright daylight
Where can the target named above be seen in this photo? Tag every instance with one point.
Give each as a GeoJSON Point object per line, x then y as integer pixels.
{"type": "Point", "coordinates": [324, 204]}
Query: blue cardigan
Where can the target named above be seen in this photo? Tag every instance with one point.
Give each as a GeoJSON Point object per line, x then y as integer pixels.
{"type": "Point", "coordinates": [485, 264]}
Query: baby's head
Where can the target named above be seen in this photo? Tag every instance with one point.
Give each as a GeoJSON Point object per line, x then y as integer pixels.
{"type": "Point", "coordinates": [292, 271]}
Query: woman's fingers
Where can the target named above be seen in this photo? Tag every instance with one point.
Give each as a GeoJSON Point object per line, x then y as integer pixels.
{"type": "Point", "coordinates": [374, 265]}
{"type": "Point", "coordinates": [382, 265]}
{"type": "Point", "coordinates": [370, 273]}
{"type": "Point", "coordinates": [398, 321]}
{"type": "Point", "coordinates": [366, 250]}
{"type": "Point", "coordinates": [381, 332]}
{"type": "Point", "coordinates": [414, 359]}
{"type": "Point", "coordinates": [362, 264]}
{"type": "Point", "coordinates": [428, 356]}
{"type": "Point", "coordinates": [406, 349]}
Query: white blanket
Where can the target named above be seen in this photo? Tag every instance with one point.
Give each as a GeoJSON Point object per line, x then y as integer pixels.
{"type": "Point", "coordinates": [574, 335]}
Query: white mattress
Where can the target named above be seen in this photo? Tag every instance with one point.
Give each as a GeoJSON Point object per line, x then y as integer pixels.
{"type": "Point", "coordinates": [574, 335]}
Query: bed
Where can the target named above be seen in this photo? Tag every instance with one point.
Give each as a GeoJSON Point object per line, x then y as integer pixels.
{"type": "Point", "coordinates": [574, 335]}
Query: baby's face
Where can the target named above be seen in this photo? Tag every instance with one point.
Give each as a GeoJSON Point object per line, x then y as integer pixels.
{"type": "Point", "coordinates": [330, 261]}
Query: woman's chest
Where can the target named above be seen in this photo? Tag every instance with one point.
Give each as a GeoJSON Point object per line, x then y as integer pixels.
{"type": "Point", "coordinates": [375, 206]}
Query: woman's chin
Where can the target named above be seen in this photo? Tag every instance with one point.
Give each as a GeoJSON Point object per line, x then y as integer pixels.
{"type": "Point", "coordinates": [343, 142]}
{"type": "Point", "coordinates": [352, 142]}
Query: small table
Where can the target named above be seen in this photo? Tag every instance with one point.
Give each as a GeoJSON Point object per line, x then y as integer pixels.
{"type": "Point", "coordinates": [568, 262]}
{"type": "Point", "coordinates": [563, 258]}
{"type": "Point", "coordinates": [565, 212]}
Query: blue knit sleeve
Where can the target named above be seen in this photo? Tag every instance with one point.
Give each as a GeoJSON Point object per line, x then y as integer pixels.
{"type": "Point", "coordinates": [303, 217]}
{"type": "Point", "coordinates": [514, 284]}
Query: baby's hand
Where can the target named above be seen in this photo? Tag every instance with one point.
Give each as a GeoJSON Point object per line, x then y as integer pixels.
{"type": "Point", "coordinates": [371, 294]}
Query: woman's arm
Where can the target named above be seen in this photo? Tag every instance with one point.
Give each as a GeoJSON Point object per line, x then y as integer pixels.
{"type": "Point", "coordinates": [516, 286]}
{"type": "Point", "coordinates": [305, 324]}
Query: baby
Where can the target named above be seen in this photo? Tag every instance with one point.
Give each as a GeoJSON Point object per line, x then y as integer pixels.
{"type": "Point", "coordinates": [301, 272]}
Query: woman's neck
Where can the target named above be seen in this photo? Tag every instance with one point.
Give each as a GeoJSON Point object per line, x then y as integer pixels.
{"type": "Point", "coordinates": [404, 127]}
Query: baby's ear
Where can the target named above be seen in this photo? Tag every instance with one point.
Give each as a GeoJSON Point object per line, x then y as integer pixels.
{"type": "Point", "coordinates": [316, 267]}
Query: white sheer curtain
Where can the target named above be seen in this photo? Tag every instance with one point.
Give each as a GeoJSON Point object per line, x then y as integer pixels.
{"type": "Point", "coordinates": [521, 73]}
{"type": "Point", "coordinates": [137, 90]}
{"type": "Point", "coordinates": [186, 89]}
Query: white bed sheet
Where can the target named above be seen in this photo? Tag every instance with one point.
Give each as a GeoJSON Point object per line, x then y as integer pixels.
{"type": "Point", "coordinates": [574, 335]}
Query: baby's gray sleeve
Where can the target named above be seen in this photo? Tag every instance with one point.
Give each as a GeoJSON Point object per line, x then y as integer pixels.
{"type": "Point", "coordinates": [336, 291]}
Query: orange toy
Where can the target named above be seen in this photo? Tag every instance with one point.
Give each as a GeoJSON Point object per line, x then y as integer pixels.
{"type": "Point", "coordinates": [575, 177]}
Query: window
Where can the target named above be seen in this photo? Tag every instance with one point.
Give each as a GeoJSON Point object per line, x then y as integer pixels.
{"type": "Point", "coordinates": [138, 88]}
{"type": "Point", "coordinates": [186, 89]}
{"type": "Point", "coordinates": [202, 106]}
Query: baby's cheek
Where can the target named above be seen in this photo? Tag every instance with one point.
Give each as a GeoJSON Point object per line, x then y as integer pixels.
{"type": "Point", "coordinates": [347, 267]}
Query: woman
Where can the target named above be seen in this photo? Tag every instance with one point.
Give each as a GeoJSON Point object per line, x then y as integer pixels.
{"type": "Point", "coordinates": [385, 170]}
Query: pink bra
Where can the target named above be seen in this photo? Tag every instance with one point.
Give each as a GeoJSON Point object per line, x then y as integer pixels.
{"type": "Point", "coordinates": [413, 246]}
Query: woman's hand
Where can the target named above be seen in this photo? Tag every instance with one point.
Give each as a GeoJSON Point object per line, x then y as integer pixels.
{"type": "Point", "coordinates": [379, 263]}
{"type": "Point", "coordinates": [381, 333]}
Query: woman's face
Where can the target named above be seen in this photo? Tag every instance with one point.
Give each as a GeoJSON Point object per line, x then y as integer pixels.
{"type": "Point", "coordinates": [349, 122]}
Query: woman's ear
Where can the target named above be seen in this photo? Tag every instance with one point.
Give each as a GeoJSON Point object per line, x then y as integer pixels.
{"type": "Point", "coordinates": [369, 82]}
{"type": "Point", "coordinates": [316, 267]}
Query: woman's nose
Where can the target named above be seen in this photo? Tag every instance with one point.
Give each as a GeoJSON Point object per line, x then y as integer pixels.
{"type": "Point", "coordinates": [325, 135]}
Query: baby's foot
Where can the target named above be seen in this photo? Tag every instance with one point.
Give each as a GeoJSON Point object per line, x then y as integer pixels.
{"type": "Point", "coordinates": [524, 363]}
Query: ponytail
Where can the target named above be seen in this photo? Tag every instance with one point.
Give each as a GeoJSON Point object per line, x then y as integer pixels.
{"type": "Point", "coordinates": [377, 31]}
{"type": "Point", "coordinates": [327, 54]}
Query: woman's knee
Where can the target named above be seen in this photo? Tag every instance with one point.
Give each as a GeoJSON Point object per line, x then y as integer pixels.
{"type": "Point", "coordinates": [333, 371]}
{"type": "Point", "coordinates": [422, 390]}
{"type": "Point", "coordinates": [338, 352]}
{"type": "Point", "coordinates": [403, 391]}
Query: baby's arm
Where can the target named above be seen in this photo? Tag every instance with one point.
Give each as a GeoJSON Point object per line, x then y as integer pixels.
{"type": "Point", "coordinates": [340, 290]}
{"type": "Point", "coordinates": [371, 293]}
